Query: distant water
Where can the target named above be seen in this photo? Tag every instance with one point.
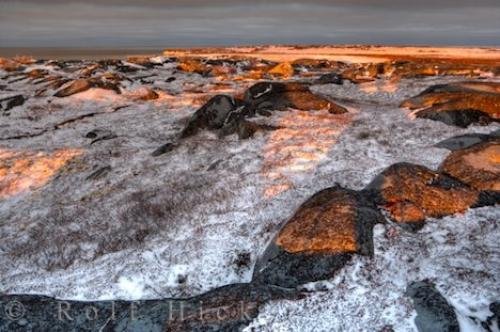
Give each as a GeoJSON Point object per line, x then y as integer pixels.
{"type": "Point", "coordinates": [61, 53]}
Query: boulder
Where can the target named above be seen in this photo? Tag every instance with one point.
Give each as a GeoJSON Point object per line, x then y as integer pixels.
{"type": "Point", "coordinates": [283, 70]}
{"type": "Point", "coordinates": [8, 103]}
{"type": "Point", "coordinates": [411, 193]}
{"type": "Point", "coordinates": [478, 165]}
{"type": "Point", "coordinates": [76, 86]}
{"type": "Point", "coordinates": [466, 141]}
{"type": "Point", "coordinates": [319, 239]}
{"type": "Point", "coordinates": [284, 95]}
{"type": "Point", "coordinates": [191, 65]}
{"type": "Point", "coordinates": [434, 313]}
{"type": "Point", "coordinates": [459, 104]}
{"type": "Point", "coordinates": [228, 308]}
{"type": "Point", "coordinates": [213, 115]}
{"type": "Point", "coordinates": [330, 78]}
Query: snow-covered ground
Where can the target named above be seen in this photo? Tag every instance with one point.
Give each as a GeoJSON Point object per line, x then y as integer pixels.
{"type": "Point", "coordinates": [222, 199]}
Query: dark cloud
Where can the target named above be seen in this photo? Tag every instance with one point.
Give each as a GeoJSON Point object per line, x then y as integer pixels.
{"type": "Point", "coordinates": [126, 23]}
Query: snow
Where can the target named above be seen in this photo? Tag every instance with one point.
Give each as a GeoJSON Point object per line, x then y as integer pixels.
{"type": "Point", "coordinates": [368, 294]}
{"type": "Point", "coordinates": [228, 197]}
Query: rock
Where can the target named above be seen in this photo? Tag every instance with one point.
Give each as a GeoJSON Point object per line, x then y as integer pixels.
{"type": "Point", "coordinates": [100, 135]}
{"type": "Point", "coordinates": [478, 165]}
{"type": "Point", "coordinates": [365, 72]}
{"type": "Point", "coordinates": [459, 104]}
{"type": "Point", "coordinates": [411, 193]}
{"type": "Point", "coordinates": [146, 94]}
{"type": "Point", "coordinates": [283, 70]}
{"type": "Point", "coordinates": [228, 308]}
{"type": "Point", "coordinates": [247, 129]}
{"type": "Point", "coordinates": [76, 86]}
{"type": "Point", "coordinates": [141, 61]}
{"type": "Point", "coordinates": [191, 65]}
{"type": "Point", "coordinates": [434, 313]}
{"type": "Point", "coordinates": [37, 73]}
{"type": "Point", "coordinates": [466, 141]}
{"type": "Point", "coordinates": [165, 148]}
{"type": "Point", "coordinates": [284, 95]}
{"type": "Point", "coordinates": [8, 103]}
{"type": "Point", "coordinates": [319, 239]}
{"type": "Point", "coordinates": [330, 78]}
{"type": "Point", "coordinates": [211, 116]}
{"type": "Point", "coordinates": [99, 173]}
{"type": "Point", "coordinates": [493, 321]}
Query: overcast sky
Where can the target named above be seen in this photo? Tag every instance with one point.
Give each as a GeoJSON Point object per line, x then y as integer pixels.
{"type": "Point", "coordinates": [155, 23]}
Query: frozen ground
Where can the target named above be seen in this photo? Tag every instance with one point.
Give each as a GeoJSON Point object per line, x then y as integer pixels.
{"type": "Point", "coordinates": [221, 200]}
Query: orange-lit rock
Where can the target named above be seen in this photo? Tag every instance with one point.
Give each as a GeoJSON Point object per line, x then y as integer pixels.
{"type": "Point", "coordinates": [478, 166]}
{"type": "Point", "coordinates": [411, 193]}
{"type": "Point", "coordinates": [459, 104]}
{"type": "Point", "coordinates": [283, 70]}
{"type": "Point", "coordinates": [319, 239]}
{"type": "Point", "coordinates": [193, 65]}
{"type": "Point", "coordinates": [285, 95]}
{"type": "Point", "coordinates": [21, 171]}
{"type": "Point", "coordinates": [76, 86]}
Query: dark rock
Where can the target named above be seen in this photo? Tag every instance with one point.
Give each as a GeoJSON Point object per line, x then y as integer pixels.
{"type": "Point", "coordinates": [411, 193]}
{"type": "Point", "coordinates": [170, 79]}
{"type": "Point", "coordinates": [165, 148]}
{"type": "Point", "coordinates": [8, 103]}
{"type": "Point", "coordinates": [494, 320]}
{"type": "Point", "coordinates": [99, 173]}
{"type": "Point", "coordinates": [319, 239]}
{"type": "Point", "coordinates": [284, 95]}
{"type": "Point", "coordinates": [100, 135]}
{"type": "Point", "coordinates": [460, 104]}
{"type": "Point", "coordinates": [211, 116]}
{"type": "Point", "coordinates": [434, 313]}
{"type": "Point", "coordinates": [465, 141]}
{"type": "Point", "coordinates": [330, 78]}
{"type": "Point", "coordinates": [457, 117]}
{"type": "Point", "coordinates": [228, 308]}
{"type": "Point", "coordinates": [478, 166]}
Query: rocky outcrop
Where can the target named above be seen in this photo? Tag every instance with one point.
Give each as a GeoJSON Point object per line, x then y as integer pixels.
{"type": "Point", "coordinates": [83, 84]}
{"type": "Point", "coordinates": [478, 165]}
{"type": "Point", "coordinates": [229, 115]}
{"type": "Point", "coordinates": [8, 103]}
{"type": "Point", "coordinates": [434, 313]}
{"type": "Point", "coordinates": [224, 309]}
{"type": "Point", "coordinates": [330, 78]}
{"type": "Point", "coordinates": [319, 239]}
{"type": "Point", "coordinates": [285, 95]}
{"type": "Point", "coordinates": [283, 70]}
{"type": "Point", "coordinates": [459, 104]}
{"type": "Point", "coordinates": [412, 193]}
{"type": "Point", "coordinates": [213, 115]}
{"type": "Point", "coordinates": [76, 86]}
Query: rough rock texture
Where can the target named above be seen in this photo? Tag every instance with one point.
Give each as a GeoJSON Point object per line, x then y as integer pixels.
{"type": "Point", "coordinates": [434, 313]}
{"type": "Point", "coordinates": [284, 95]}
{"type": "Point", "coordinates": [223, 309]}
{"type": "Point", "coordinates": [477, 166]}
{"type": "Point", "coordinates": [283, 70]}
{"type": "Point", "coordinates": [330, 78]}
{"type": "Point", "coordinates": [411, 193]}
{"type": "Point", "coordinates": [459, 104]}
{"type": "Point", "coordinates": [467, 140]}
{"type": "Point", "coordinates": [8, 103]}
{"type": "Point", "coordinates": [211, 116]}
{"type": "Point", "coordinates": [76, 86]}
{"type": "Point", "coordinates": [319, 239]}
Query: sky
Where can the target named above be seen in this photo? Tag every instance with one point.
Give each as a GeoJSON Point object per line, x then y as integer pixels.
{"type": "Point", "coordinates": [170, 23]}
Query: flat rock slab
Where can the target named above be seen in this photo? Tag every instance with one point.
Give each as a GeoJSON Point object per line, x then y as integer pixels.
{"type": "Point", "coordinates": [224, 309]}
{"type": "Point", "coordinates": [478, 166]}
{"type": "Point", "coordinates": [459, 104]}
{"type": "Point", "coordinates": [319, 239]}
{"type": "Point", "coordinates": [434, 313]}
{"type": "Point", "coordinates": [284, 95]}
{"type": "Point", "coordinates": [411, 193]}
